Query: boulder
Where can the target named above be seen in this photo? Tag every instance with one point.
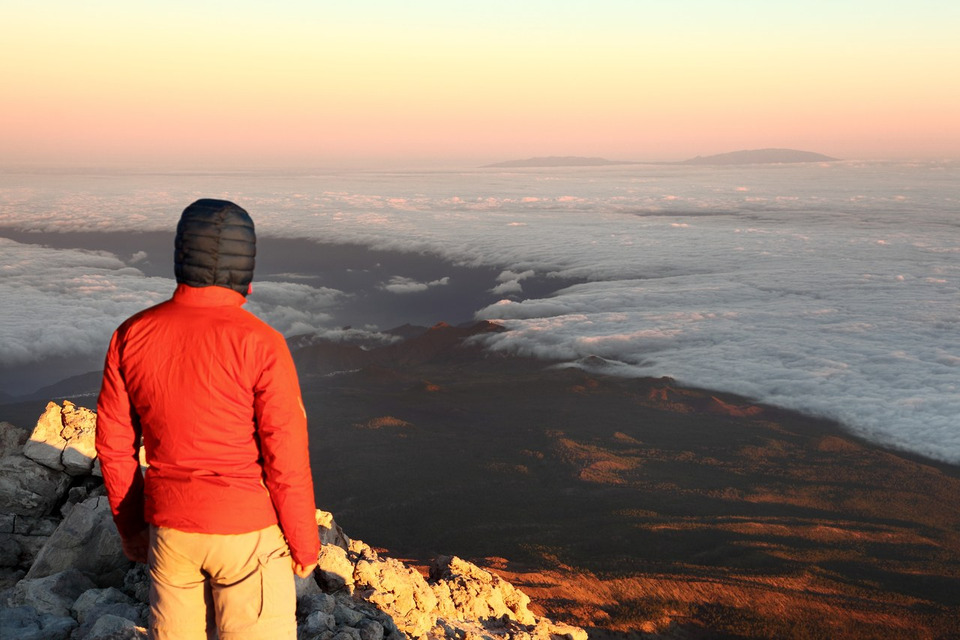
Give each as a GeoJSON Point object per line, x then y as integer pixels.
{"type": "Point", "coordinates": [26, 623]}
{"type": "Point", "coordinates": [80, 432]}
{"type": "Point", "coordinates": [397, 590]}
{"type": "Point", "coordinates": [95, 604]}
{"type": "Point", "coordinates": [371, 630]}
{"type": "Point", "coordinates": [313, 602]}
{"type": "Point", "coordinates": [467, 592]}
{"type": "Point", "coordinates": [306, 586]}
{"type": "Point", "coordinates": [46, 443]}
{"type": "Point", "coordinates": [54, 594]}
{"type": "Point", "coordinates": [64, 439]}
{"type": "Point", "coordinates": [94, 599]}
{"type": "Point", "coordinates": [113, 627]}
{"type": "Point", "coordinates": [8, 578]}
{"type": "Point", "coordinates": [330, 532]}
{"type": "Point", "coordinates": [334, 569]}
{"type": "Point", "coordinates": [91, 487]}
{"type": "Point", "coordinates": [11, 439]}
{"type": "Point", "coordinates": [35, 526]}
{"type": "Point", "coordinates": [314, 624]}
{"type": "Point", "coordinates": [29, 548]}
{"type": "Point", "coordinates": [7, 521]}
{"type": "Point", "coordinates": [10, 551]}
{"type": "Point", "coordinates": [137, 582]}
{"type": "Point", "coordinates": [28, 488]}
{"type": "Point", "coordinates": [22, 537]}
{"type": "Point", "coordinates": [87, 540]}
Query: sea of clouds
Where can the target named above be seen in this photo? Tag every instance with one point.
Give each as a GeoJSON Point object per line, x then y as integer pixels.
{"type": "Point", "coordinates": [829, 288]}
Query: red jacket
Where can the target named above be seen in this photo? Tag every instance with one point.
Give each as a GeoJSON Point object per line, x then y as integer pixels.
{"type": "Point", "coordinates": [214, 393]}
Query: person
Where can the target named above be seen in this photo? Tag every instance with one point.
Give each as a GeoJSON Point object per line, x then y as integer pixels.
{"type": "Point", "coordinates": [224, 513]}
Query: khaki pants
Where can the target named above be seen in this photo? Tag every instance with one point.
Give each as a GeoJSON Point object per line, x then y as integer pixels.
{"type": "Point", "coordinates": [238, 585]}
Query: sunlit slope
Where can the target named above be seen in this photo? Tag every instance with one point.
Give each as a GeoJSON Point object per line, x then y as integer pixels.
{"type": "Point", "coordinates": [630, 501]}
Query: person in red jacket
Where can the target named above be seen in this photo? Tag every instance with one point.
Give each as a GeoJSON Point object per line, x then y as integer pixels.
{"type": "Point", "coordinates": [224, 513]}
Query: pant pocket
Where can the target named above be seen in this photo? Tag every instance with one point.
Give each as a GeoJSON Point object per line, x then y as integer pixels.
{"type": "Point", "coordinates": [240, 603]}
{"type": "Point", "coordinates": [278, 588]}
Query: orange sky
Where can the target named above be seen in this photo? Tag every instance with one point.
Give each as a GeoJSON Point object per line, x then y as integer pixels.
{"type": "Point", "coordinates": [252, 83]}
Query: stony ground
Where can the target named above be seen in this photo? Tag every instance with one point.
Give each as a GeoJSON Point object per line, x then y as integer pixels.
{"type": "Point", "coordinates": [63, 575]}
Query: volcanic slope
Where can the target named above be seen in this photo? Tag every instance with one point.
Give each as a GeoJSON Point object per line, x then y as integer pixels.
{"type": "Point", "coordinates": [631, 504]}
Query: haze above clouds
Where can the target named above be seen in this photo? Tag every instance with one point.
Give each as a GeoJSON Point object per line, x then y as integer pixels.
{"type": "Point", "coordinates": [293, 83]}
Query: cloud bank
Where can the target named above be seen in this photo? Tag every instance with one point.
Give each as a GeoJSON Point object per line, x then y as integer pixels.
{"type": "Point", "coordinates": [827, 288]}
{"type": "Point", "coordinates": [401, 284]}
{"type": "Point", "coordinates": [67, 303]}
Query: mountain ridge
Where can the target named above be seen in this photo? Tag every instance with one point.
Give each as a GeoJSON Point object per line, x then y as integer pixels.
{"type": "Point", "coordinates": [761, 156]}
{"type": "Point", "coordinates": [746, 156]}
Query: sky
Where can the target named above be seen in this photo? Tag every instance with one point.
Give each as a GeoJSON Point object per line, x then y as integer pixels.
{"type": "Point", "coordinates": [251, 83]}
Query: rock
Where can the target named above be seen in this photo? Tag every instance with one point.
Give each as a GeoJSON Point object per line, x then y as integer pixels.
{"type": "Point", "coordinates": [135, 613]}
{"type": "Point", "coordinates": [367, 597]}
{"type": "Point", "coordinates": [86, 540]}
{"type": "Point", "coordinates": [64, 439]}
{"type": "Point", "coordinates": [91, 487]}
{"type": "Point", "coordinates": [7, 521]}
{"type": "Point", "coordinates": [28, 488]}
{"type": "Point", "coordinates": [46, 444]}
{"type": "Point", "coordinates": [316, 602]}
{"type": "Point", "coordinates": [29, 548]}
{"type": "Point", "coordinates": [95, 598]}
{"type": "Point", "coordinates": [316, 623]}
{"type": "Point", "coordinates": [330, 531]}
{"type": "Point", "coordinates": [52, 594]}
{"type": "Point", "coordinates": [347, 617]}
{"type": "Point", "coordinates": [112, 627]}
{"type": "Point", "coordinates": [371, 630]}
{"type": "Point", "coordinates": [136, 582]}
{"type": "Point", "coordinates": [32, 526]}
{"type": "Point", "coordinates": [80, 432]}
{"type": "Point", "coordinates": [26, 623]}
{"type": "Point", "coordinates": [334, 569]}
{"type": "Point", "coordinates": [10, 551]}
{"type": "Point", "coordinates": [8, 578]}
{"type": "Point", "coordinates": [399, 591]}
{"type": "Point", "coordinates": [465, 591]}
{"type": "Point", "coordinates": [306, 586]}
{"type": "Point", "coordinates": [12, 439]}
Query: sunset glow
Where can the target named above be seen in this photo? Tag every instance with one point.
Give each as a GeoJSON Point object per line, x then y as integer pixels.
{"type": "Point", "coordinates": [291, 82]}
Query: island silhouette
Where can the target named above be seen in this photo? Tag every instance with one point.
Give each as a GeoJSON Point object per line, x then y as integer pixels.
{"type": "Point", "coordinates": [749, 156]}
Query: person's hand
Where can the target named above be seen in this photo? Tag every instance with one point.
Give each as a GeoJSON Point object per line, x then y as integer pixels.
{"type": "Point", "coordinates": [136, 547]}
{"type": "Point", "coordinates": [303, 571]}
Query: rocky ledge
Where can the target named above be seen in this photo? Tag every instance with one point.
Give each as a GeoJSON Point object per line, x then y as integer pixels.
{"type": "Point", "coordinates": [63, 574]}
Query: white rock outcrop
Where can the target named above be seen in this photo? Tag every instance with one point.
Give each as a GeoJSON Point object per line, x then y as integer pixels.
{"type": "Point", "coordinates": [64, 439]}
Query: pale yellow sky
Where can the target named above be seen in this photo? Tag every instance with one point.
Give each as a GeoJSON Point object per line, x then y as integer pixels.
{"type": "Point", "coordinates": [286, 82]}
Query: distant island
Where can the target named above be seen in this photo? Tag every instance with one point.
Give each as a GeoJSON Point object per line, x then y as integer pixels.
{"type": "Point", "coordinates": [761, 156]}
{"type": "Point", "coordinates": [752, 156]}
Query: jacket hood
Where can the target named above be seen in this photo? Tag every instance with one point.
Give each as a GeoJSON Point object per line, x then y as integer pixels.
{"type": "Point", "coordinates": [215, 246]}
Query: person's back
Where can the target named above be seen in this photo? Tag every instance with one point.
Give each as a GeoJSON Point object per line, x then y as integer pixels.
{"type": "Point", "coordinates": [214, 393]}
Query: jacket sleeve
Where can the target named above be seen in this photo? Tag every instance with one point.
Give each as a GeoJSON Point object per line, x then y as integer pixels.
{"type": "Point", "coordinates": [282, 427]}
{"type": "Point", "coordinates": [118, 447]}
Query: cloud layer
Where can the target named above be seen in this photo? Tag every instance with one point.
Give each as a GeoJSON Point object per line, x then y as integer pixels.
{"type": "Point", "coordinates": [66, 303]}
{"type": "Point", "coordinates": [402, 284]}
{"type": "Point", "coordinates": [828, 288]}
